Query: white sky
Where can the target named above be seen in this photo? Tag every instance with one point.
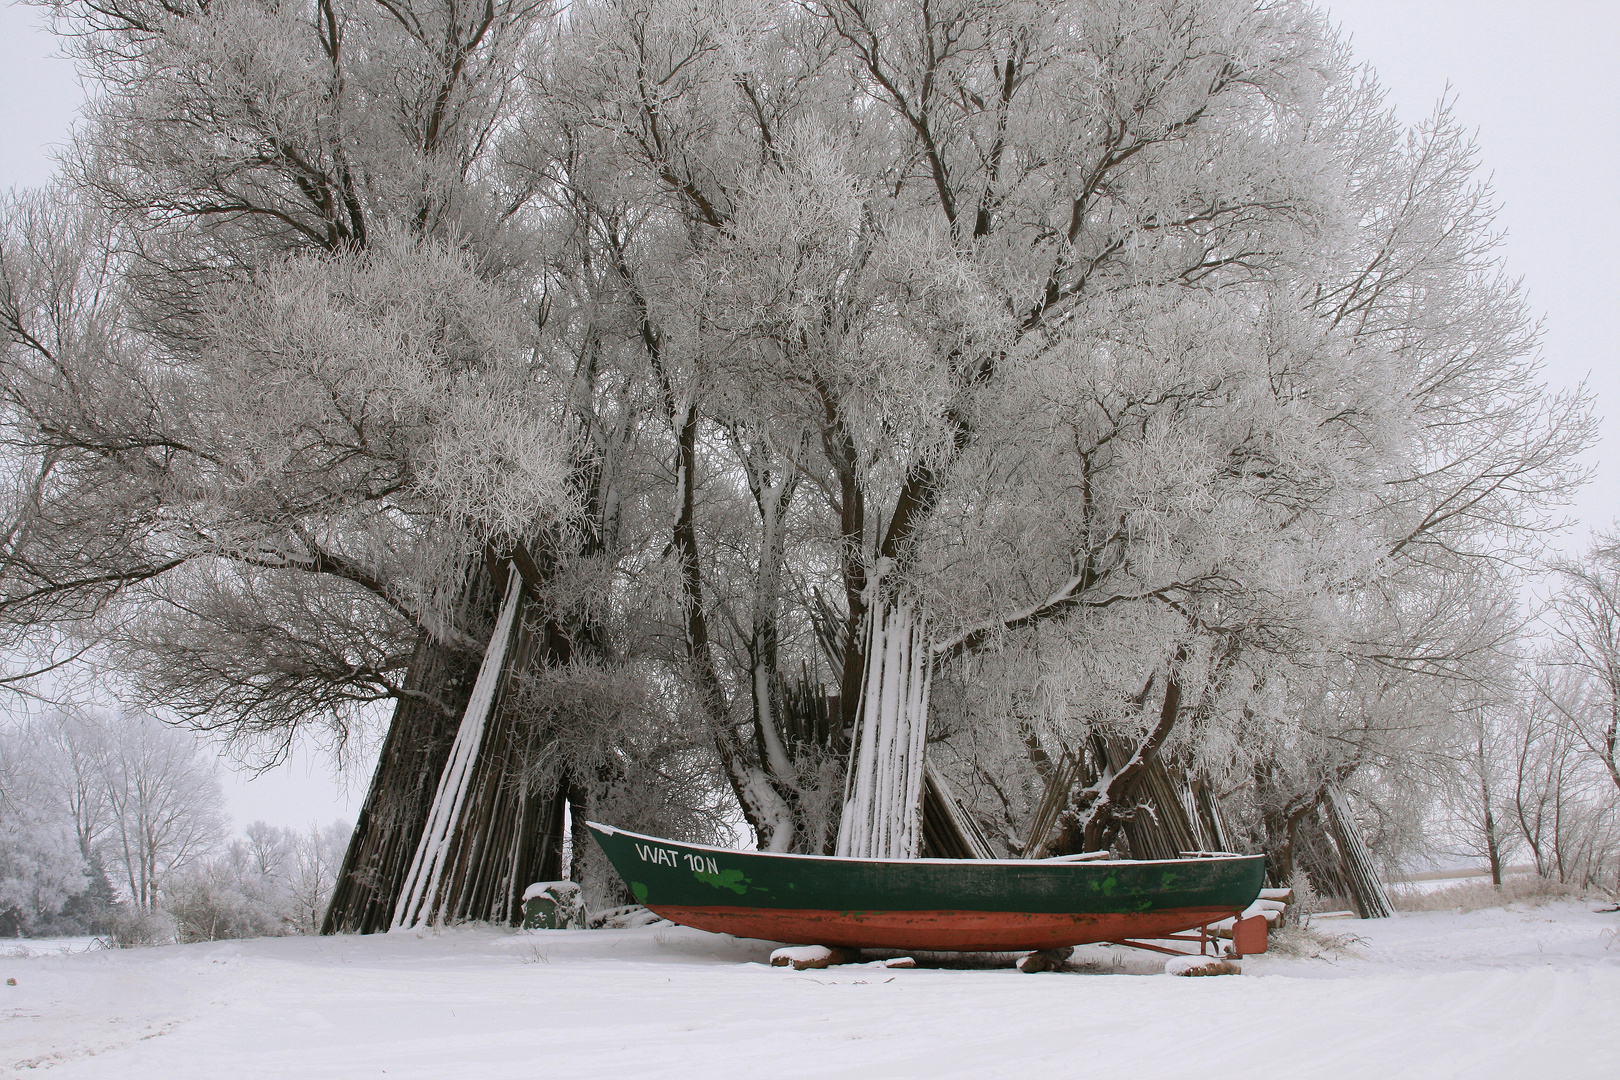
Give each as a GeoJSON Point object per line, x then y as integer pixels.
{"type": "Point", "coordinates": [1538, 79]}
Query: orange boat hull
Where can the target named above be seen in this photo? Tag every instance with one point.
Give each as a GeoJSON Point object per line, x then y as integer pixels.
{"type": "Point", "coordinates": [942, 931]}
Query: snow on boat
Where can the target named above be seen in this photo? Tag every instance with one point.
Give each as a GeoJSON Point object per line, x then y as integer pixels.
{"type": "Point", "coordinates": [961, 905]}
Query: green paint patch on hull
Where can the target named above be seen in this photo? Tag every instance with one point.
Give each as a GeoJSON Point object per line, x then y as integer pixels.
{"type": "Point", "coordinates": [728, 879]}
{"type": "Point", "coordinates": [954, 904]}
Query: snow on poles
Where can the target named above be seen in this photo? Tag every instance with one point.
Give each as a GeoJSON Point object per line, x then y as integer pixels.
{"type": "Point", "coordinates": [1367, 893]}
{"type": "Point", "coordinates": [922, 666]}
{"type": "Point", "coordinates": [883, 791]}
{"type": "Point", "coordinates": [419, 896]}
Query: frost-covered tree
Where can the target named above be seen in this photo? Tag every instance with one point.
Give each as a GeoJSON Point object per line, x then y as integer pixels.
{"type": "Point", "coordinates": [1582, 683]}
{"type": "Point", "coordinates": [1134, 346]}
{"type": "Point", "coordinates": [1487, 453]}
{"type": "Point", "coordinates": [291, 204]}
{"type": "Point", "coordinates": [308, 478]}
{"type": "Point", "coordinates": [851, 236]}
{"type": "Point", "coordinates": [1145, 308]}
{"type": "Point", "coordinates": [1563, 802]}
{"type": "Point", "coordinates": [317, 855]}
{"type": "Point", "coordinates": [41, 864]}
{"type": "Point", "coordinates": [94, 794]}
{"type": "Point", "coordinates": [269, 881]}
{"type": "Point", "coordinates": [164, 801]}
{"type": "Point", "coordinates": [1478, 456]}
{"type": "Point", "coordinates": [1479, 797]}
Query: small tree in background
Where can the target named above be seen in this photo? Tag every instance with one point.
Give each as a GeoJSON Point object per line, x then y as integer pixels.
{"type": "Point", "coordinates": [165, 801]}
{"type": "Point", "coordinates": [317, 854]}
{"type": "Point", "coordinates": [269, 881]}
{"type": "Point", "coordinates": [93, 800]}
{"type": "Point", "coordinates": [1583, 680]}
{"type": "Point", "coordinates": [1478, 797]}
{"type": "Point", "coordinates": [95, 805]}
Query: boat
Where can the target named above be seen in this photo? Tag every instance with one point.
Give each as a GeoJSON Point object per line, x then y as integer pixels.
{"type": "Point", "coordinates": [946, 905]}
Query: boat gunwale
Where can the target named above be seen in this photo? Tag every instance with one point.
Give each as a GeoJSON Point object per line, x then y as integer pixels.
{"type": "Point", "coordinates": [1060, 860]}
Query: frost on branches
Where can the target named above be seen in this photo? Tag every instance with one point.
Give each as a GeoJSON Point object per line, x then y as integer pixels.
{"type": "Point", "coordinates": [1137, 344]}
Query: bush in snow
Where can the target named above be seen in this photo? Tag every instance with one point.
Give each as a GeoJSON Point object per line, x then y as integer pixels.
{"type": "Point", "coordinates": [268, 882]}
{"type": "Point", "coordinates": [132, 928]}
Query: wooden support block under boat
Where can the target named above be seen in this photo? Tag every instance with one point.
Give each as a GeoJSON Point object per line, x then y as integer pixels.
{"type": "Point", "coordinates": [1202, 965]}
{"type": "Point", "coordinates": [1045, 960]}
{"type": "Point", "coordinates": [805, 957]}
{"type": "Point", "coordinates": [1249, 936]}
{"type": "Point", "coordinates": [963, 905]}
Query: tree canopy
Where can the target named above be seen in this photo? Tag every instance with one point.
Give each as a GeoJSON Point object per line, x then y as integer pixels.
{"type": "Point", "coordinates": [1137, 345]}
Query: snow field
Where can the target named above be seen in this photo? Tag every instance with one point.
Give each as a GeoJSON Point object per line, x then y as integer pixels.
{"type": "Point", "coordinates": [24, 947]}
{"type": "Point", "coordinates": [1524, 992]}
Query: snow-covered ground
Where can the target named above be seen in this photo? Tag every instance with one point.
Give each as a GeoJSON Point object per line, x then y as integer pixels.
{"type": "Point", "coordinates": [1521, 992]}
{"type": "Point", "coordinates": [17, 949]}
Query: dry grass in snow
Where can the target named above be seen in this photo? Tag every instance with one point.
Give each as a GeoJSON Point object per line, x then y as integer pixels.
{"type": "Point", "coordinates": [1477, 893]}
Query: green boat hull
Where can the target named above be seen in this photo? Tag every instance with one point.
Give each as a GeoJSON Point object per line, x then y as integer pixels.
{"type": "Point", "coordinates": [935, 904]}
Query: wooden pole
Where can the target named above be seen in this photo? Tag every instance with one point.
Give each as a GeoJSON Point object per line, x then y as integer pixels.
{"type": "Point", "coordinates": [400, 797]}
{"type": "Point", "coordinates": [882, 814]}
{"type": "Point", "coordinates": [1366, 891]}
{"type": "Point", "coordinates": [419, 899]}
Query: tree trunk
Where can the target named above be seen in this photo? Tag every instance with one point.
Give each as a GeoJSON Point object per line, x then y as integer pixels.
{"type": "Point", "coordinates": [1492, 849]}
{"type": "Point", "coordinates": [948, 830]}
{"type": "Point", "coordinates": [1482, 763]}
{"type": "Point", "coordinates": [579, 836]}
{"type": "Point", "coordinates": [402, 787]}
{"type": "Point", "coordinates": [503, 828]}
{"type": "Point", "coordinates": [1366, 891]}
{"type": "Point", "coordinates": [1282, 826]}
{"type": "Point", "coordinates": [1100, 810]}
{"type": "Point", "coordinates": [452, 847]}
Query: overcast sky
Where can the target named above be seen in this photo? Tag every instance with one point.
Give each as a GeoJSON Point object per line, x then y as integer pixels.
{"type": "Point", "coordinates": [1538, 79]}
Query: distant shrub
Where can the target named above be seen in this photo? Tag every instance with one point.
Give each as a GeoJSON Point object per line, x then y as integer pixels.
{"type": "Point", "coordinates": [132, 928]}
{"type": "Point", "coordinates": [205, 909]}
